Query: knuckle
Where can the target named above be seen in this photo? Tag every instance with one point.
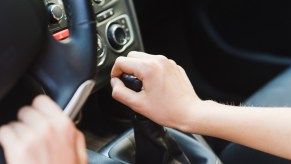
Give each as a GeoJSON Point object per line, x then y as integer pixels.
{"type": "Point", "coordinates": [131, 53]}
{"type": "Point", "coordinates": [23, 111]}
{"type": "Point", "coordinates": [151, 67]}
{"type": "Point", "coordinates": [172, 61]}
{"type": "Point", "coordinates": [162, 58]}
{"type": "Point", "coordinates": [119, 60]}
{"type": "Point", "coordinates": [38, 99]}
{"type": "Point", "coordinates": [4, 129]}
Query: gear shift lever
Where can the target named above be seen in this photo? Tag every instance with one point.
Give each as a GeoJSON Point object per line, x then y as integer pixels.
{"type": "Point", "coordinates": [134, 84]}
{"type": "Point", "coordinates": [153, 143]}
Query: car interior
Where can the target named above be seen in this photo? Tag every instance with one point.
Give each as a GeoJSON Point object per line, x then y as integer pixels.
{"type": "Point", "coordinates": [234, 52]}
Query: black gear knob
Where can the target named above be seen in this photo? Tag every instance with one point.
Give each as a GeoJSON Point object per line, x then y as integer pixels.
{"type": "Point", "coordinates": [131, 82]}
{"type": "Point", "coordinates": [134, 84]}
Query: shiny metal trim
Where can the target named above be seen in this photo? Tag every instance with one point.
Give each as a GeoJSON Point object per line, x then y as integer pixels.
{"type": "Point", "coordinates": [79, 98]}
{"type": "Point", "coordinates": [112, 31]}
{"type": "Point", "coordinates": [101, 58]}
{"type": "Point", "coordinates": [132, 37]}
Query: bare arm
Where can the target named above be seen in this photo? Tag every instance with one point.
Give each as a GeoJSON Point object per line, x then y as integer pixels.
{"type": "Point", "coordinates": [265, 129]}
{"type": "Point", "coordinates": [169, 99]}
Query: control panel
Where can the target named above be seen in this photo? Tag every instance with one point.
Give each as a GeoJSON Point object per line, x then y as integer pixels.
{"type": "Point", "coordinates": [119, 33]}
{"type": "Point", "coordinates": [117, 28]}
{"type": "Point", "coordinates": [116, 24]}
{"type": "Point", "coordinates": [56, 15]}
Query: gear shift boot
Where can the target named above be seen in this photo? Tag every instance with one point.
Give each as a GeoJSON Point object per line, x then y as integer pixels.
{"type": "Point", "coordinates": [155, 145]}
{"type": "Point", "coordinates": [123, 149]}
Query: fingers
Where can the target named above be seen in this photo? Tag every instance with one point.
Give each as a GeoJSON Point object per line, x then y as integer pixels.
{"type": "Point", "coordinates": [19, 128]}
{"type": "Point", "coordinates": [121, 93]}
{"type": "Point", "coordinates": [43, 112]}
{"type": "Point", "coordinates": [137, 64]}
{"type": "Point", "coordinates": [8, 140]}
{"type": "Point", "coordinates": [45, 105]}
{"type": "Point", "coordinates": [47, 119]}
{"type": "Point", "coordinates": [140, 55]}
{"type": "Point", "coordinates": [32, 118]}
{"type": "Point", "coordinates": [8, 137]}
{"type": "Point", "coordinates": [128, 66]}
{"type": "Point", "coordinates": [53, 113]}
{"type": "Point", "coordinates": [172, 62]}
{"type": "Point", "coordinates": [11, 138]}
{"type": "Point", "coordinates": [42, 133]}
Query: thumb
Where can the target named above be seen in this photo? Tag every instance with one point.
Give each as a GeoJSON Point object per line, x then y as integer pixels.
{"type": "Point", "coordinates": [123, 94]}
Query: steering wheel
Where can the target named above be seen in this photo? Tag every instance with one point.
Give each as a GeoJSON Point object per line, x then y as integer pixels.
{"type": "Point", "coordinates": [65, 69]}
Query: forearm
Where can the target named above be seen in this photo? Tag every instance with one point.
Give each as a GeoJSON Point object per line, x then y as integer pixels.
{"type": "Point", "coordinates": [265, 129]}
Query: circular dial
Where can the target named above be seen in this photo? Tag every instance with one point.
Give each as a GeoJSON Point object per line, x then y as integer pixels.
{"type": "Point", "coordinates": [56, 13]}
{"type": "Point", "coordinates": [117, 36]}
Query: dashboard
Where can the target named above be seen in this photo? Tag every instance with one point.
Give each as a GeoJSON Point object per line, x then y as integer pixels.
{"type": "Point", "coordinates": [118, 31]}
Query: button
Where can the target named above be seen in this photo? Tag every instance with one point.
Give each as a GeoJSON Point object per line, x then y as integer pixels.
{"type": "Point", "coordinates": [56, 13]}
{"type": "Point", "coordinates": [105, 15]}
{"type": "Point", "coordinates": [123, 21]}
{"type": "Point", "coordinates": [101, 18]}
{"type": "Point", "coordinates": [62, 34]}
{"type": "Point", "coordinates": [99, 2]}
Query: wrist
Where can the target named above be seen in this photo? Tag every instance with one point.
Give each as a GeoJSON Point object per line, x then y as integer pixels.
{"type": "Point", "coordinates": [196, 116]}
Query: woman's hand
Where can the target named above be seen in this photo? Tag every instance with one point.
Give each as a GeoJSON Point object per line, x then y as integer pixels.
{"type": "Point", "coordinates": [167, 93]}
{"type": "Point", "coordinates": [43, 134]}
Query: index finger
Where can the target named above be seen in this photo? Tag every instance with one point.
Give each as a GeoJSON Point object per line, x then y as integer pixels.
{"type": "Point", "coordinates": [127, 65]}
{"type": "Point", "coordinates": [47, 107]}
{"type": "Point", "coordinates": [8, 138]}
{"type": "Point", "coordinates": [139, 55]}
